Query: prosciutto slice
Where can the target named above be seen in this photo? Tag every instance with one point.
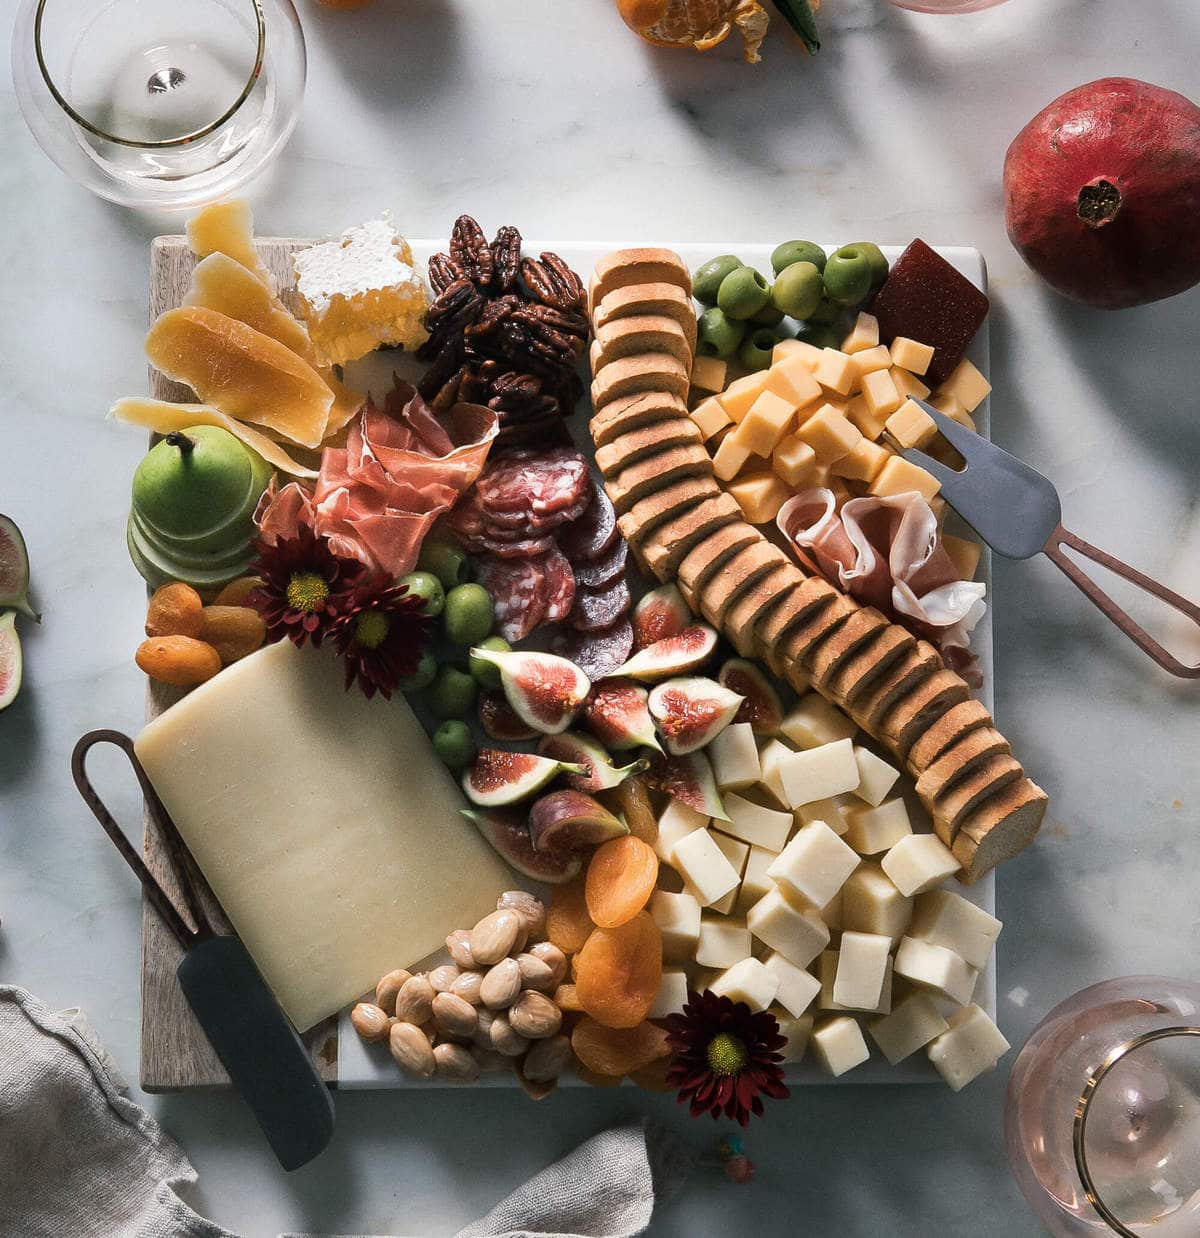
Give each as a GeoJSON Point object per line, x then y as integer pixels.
{"type": "Point", "coordinates": [887, 553]}
{"type": "Point", "coordinates": [376, 498]}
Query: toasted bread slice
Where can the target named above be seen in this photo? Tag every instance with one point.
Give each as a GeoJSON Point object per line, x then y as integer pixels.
{"type": "Point", "coordinates": [652, 473]}
{"type": "Point", "coordinates": [789, 580]}
{"type": "Point", "coordinates": [648, 513]}
{"type": "Point", "coordinates": [917, 710]}
{"type": "Point", "coordinates": [626, 267]}
{"type": "Point", "coordinates": [825, 659]}
{"type": "Point", "coordinates": [625, 337]}
{"type": "Point", "coordinates": [708, 555]}
{"type": "Point", "coordinates": [635, 445]}
{"type": "Point", "coordinates": [671, 541]}
{"type": "Point", "coordinates": [632, 412]}
{"type": "Point", "coordinates": [989, 776]}
{"type": "Point", "coordinates": [867, 663]}
{"type": "Point", "coordinates": [963, 718]}
{"type": "Point", "coordinates": [638, 300]}
{"type": "Point", "coordinates": [822, 621]}
{"type": "Point", "coordinates": [651, 371]}
{"type": "Point", "coordinates": [999, 828]}
{"type": "Point", "coordinates": [742, 618]}
{"type": "Point", "coordinates": [869, 706]}
{"type": "Point", "coordinates": [743, 570]}
{"type": "Point", "coordinates": [957, 761]}
{"type": "Point", "coordinates": [809, 593]}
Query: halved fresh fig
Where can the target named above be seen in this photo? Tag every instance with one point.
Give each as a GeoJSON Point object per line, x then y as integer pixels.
{"type": "Point", "coordinates": [690, 780]}
{"type": "Point", "coordinates": [692, 712]}
{"type": "Point", "coordinates": [661, 613]}
{"type": "Point", "coordinates": [10, 660]}
{"type": "Point", "coordinates": [544, 689]}
{"type": "Point", "coordinates": [583, 750]}
{"type": "Point", "coordinates": [570, 820]}
{"type": "Point", "coordinates": [507, 829]}
{"type": "Point", "coordinates": [761, 706]}
{"type": "Point", "coordinates": [14, 570]}
{"type": "Point", "coordinates": [500, 721]}
{"type": "Point", "coordinates": [687, 650]}
{"type": "Point", "coordinates": [498, 777]}
{"type": "Point", "coordinates": [617, 716]}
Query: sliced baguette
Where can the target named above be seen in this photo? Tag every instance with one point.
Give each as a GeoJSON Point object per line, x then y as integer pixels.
{"type": "Point", "coordinates": [635, 445]}
{"type": "Point", "coordinates": [638, 300]}
{"type": "Point", "coordinates": [917, 710]}
{"type": "Point", "coordinates": [648, 513]}
{"type": "Point", "coordinates": [945, 731]}
{"type": "Point", "coordinates": [674, 538]}
{"type": "Point", "coordinates": [968, 792]}
{"type": "Point", "coordinates": [878, 696]}
{"type": "Point", "coordinates": [743, 570]}
{"type": "Point", "coordinates": [651, 371]}
{"type": "Point", "coordinates": [1001, 827]}
{"type": "Point", "coordinates": [809, 593]}
{"type": "Point", "coordinates": [632, 412]}
{"type": "Point", "coordinates": [653, 473]}
{"type": "Point", "coordinates": [624, 337]}
{"type": "Point", "coordinates": [868, 663]}
{"type": "Point", "coordinates": [624, 268]}
{"type": "Point", "coordinates": [824, 659]}
{"type": "Point", "coordinates": [708, 555]}
{"type": "Point", "coordinates": [819, 623]}
{"type": "Point", "coordinates": [958, 760]}
{"type": "Point", "coordinates": [742, 618]}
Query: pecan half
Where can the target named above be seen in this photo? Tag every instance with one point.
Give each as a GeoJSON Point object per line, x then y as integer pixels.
{"type": "Point", "coordinates": [443, 271]}
{"type": "Point", "coordinates": [506, 258]}
{"type": "Point", "coordinates": [470, 250]}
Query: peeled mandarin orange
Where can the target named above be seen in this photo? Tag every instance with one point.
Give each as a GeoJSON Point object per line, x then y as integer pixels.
{"type": "Point", "coordinates": [698, 24]}
{"type": "Point", "coordinates": [619, 971]}
{"type": "Point", "coordinates": [620, 880]}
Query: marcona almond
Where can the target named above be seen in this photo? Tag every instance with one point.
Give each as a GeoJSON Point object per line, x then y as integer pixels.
{"type": "Point", "coordinates": [535, 1016]}
{"type": "Point", "coordinates": [547, 1059]}
{"type": "Point", "coordinates": [412, 1050]}
{"type": "Point", "coordinates": [388, 987]}
{"type": "Point", "coordinates": [369, 1021]}
{"type": "Point", "coordinates": [530, 908]}
{"type": "Point", "coordinates": [505, 1039]}
{"type": "Point", "coordinates": [467, 987]}
{"type": "Point", "coordinates": [553, 957]}
{"type": "Point", "coordinates": [494, 936]}
{"type": "Point", "coordinates": [414, 1002]}
{"type": "Point", "coordinates": [459, 945]}
{"type": "Point", "coordinates": [501, 984]}
{"type": "Point", "coordinates": [454, 1063]}
{"type": "Point", "coordinates": [442, 978]}
{"type": "Point", "coordinates": [454, 1017]}
{"type": "Point", "coordinates": [535, 972]}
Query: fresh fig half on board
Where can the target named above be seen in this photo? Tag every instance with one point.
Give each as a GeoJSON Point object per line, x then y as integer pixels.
{"type": "Point", "coordinates": [497, 777]}
{"type": "Point", "coordinates": [545, 690]}
{"type": "Point", "coordinates": [583, 750]}
{"type": "Point", "coordinates": [616, 714]}
{"type": "Point", "coordinates": [14, 570]}
{"type": "Point", "coordinates": [690, 780]}
{"type": "Point", "coordinates": [570, 821]}
{"type": "Point", "coordinates": [661, 613]}
{"type": "Point", "coordinates": [687, 650]}
{"type": "Point", "coordinates": [761, 706]}
{"type": "Point", "coordinates": [508, 831]}
{"type": "Point", "coordinates": [500, 721]}
{"type": "Point", "coordinates": [10, 660]}
{"type": "Point", "coordinates": [691, 712]}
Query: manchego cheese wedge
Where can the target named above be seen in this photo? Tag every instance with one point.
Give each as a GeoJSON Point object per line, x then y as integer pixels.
{"type": "Point", "coordinates": [227, 228]}
{"type": "Point", "coordinates": [163, 417]}
{"type": "Point", "coordinates": [242, 372]}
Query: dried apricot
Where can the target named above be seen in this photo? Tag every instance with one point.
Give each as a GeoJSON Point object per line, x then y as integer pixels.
{"type": "Point", "coordinates": [175, 610]}
{"type": "Point", "coordinates": [620, 879]}
{"type": "Point", "coordinates": [181, 661]}
{"type": "Point", "coordinates": [619, 971]}
{"type": "Point", "coordinates": [237, 591]}
{"type": "Point", "coordinates": [566, 998]}
{"type": "Point", "coordinates": [631, 799]}
{"type": "Point", "coordinates": [617, 1051]}
{"type": "Point", "coordinates": [592, 1079]}
{"type": "Point", "coordinates": [653, 1076]}
{"type": "Point", "coordinates": [233, 631]}
{"type": "Point", "coordinates": [568, 924]}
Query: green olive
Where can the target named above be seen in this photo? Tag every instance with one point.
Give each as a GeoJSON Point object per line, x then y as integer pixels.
{"type": "Point", "coordinates": [827, 312]}
{"type": "Point", "coordinates": [756, 349]}
{"type": "Point", "coordinates": [768, 316]}
{"type": "Point", "coordinates": [423, 676]}
{"type": "Point", "coordinates": [452, 694]}
{"type": "Point", "coordinates": [707, 278]}
{"type": "Point", "coordinates": [427, 587]}
{"type": "Point", "coordinates": [487, 674]}
{"type": "Point", "coordinates": [848, 275]}
{"type": "Point", "coordinates": [468, 615]}
{"type": "Point", "coordinates": [798, 290]}
{"type": "Point", "coordinates": [791, 252]}
{"type": "Point", "coordinates": [879, 264]}
{"type": "Point", "coordinates": [743, 293]}
{"type": "Point", "coordinates": [717, 335]}
{"type": "Point", "coordinates": [819, 335]}
{"type": "Point", "coordinates": [446, 561]}
{"type": "Point", "coordinates": [453, 743]}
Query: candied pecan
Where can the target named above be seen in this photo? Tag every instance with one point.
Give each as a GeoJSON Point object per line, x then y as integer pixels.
{"type": "Point", "coordinates": [493, 313]}
{"type": "Point", "coordinates": [446, 362]}
{"type": "Point", "coordinates": [506, 258]}
{"type": "Point", "coordinates": [470, 249]}
{"type": "Point", "coordinates": [443, 271]}
{"type": "Point", "coordinates": [450, 393]}
{"type": "Point", "coordinates": [569, 285]}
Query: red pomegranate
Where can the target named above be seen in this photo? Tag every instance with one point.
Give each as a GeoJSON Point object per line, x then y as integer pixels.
{"type": "Point", "coordinates": [1102, 193]}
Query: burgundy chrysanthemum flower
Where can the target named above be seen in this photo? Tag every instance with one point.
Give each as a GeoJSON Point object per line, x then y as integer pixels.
{"type": "Point", "coordinates": [381, 634]}
{"type": "Point", "coordinates": [305, 586]}
{"type": "Point", "coordinates": [725, 1057]}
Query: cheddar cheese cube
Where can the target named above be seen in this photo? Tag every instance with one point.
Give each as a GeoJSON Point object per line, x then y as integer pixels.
{"type": "Point", "coordinates": [826, 970]}
{"type": "Point", "coordinates": [730, 458]}
{"type": "Point", "coordinates": [964, 554]}
{"type": "Point", "coordinates": [772, 751]}
{"type": "Point", "coordinates": [704, 867]}
{"type": "Point", "coordinates": [737, 398]}
{"type": "Point", "coordinates": [829, 434]}
{"type": "Point", "coordinates": [795, 462]}
{"type": "Point", "coordinates": [768, 419]}
{"type": "Point", "coordinates": [868, 423]}
{"type": "Point", "coordinates": [863, 335]}
{"type": "Point", "coordinates": [786, 349]}
{"type": "Point", "coordinates": [911, 426]}
{"type": "Point", "coordinates": [818, 774]}
{"type": "Point", "coordinates": [862, 965]}
{"type": "Point", "coordinates": [872, 359]}
{"type": "Point", "coordinates": [676, 822]}
{"type": "Point", "coordinates": [708, 374]}
{"type": "Point", "coordinates": [672, 994]}
{"type": "Point", "coordinates": [795, 1032]}
{"type": "Point", "coordinates": [756, 824]}
{"type": "Point", "coordinates": [909, 385]}
{"type": "Point", "coordinates": [797, 987]}
{"type": "Point", "coordinates": [947, 919]}
{"type": "Point", "coordinates": [710, 417]}
{"type": "Point", "coordinates": [760, 496]}
{"type": "Point", "coordinates": [911, 355]}
{"type": "Point", "coordinates": [967, 385]}
{"type": "Point", "coordinates": [862, 462]}
{"type": "Point", "coordinates": [734, 757]}
{"type": "Point", "coordinates": [735, 852]}
{"type": "Point", "coordinates": [722, 942]}
{"type": "Point", "coordinates": [678, 920]}
{"type": "Point", "coordinates": [898, 476]}
{"type": "Point", "coordinates": [831, 810]}
{"type": "Point", "coordinates": [876, 776]}
{"type": "Point", "coordinates": [793, 379]}
{"type": "Point", "coordinates": [937, 969]}
{"type": "Point", "coordinates": [835, 371]}
{"type": "Point", "coordinates": [755, 882]}
{"type": "Point", "coordinates": [880, 394]}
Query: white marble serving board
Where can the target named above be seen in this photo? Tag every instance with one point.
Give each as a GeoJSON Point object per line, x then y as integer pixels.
{"type": "Point", "coordinates": [366, 1066]}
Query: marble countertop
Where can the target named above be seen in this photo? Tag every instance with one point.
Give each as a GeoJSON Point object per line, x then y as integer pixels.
{"type": "Point", "coordinates": [552, 116]}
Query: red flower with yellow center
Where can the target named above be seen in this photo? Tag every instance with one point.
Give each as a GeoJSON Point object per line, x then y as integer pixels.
{"type": "Point", "coordinates": [381, 634]}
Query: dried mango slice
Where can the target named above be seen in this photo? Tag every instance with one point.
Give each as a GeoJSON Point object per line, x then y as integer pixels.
{"type": "Point", "coordinates": [242, 372]}
{"type": "Point", "coordinates": [228, 228]}
{"type": "Point", "coordinates": [163, 417]}
{"type": "Point", "coordinates": [346, 404]}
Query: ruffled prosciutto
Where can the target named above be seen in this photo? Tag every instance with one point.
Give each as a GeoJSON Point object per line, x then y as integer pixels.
{"type": "Point", "coordinates": [886, 552]}
{"type": "Point", "coordinates": [376, 498]}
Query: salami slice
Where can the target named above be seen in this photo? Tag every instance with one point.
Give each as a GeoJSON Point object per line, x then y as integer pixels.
{"type": "Point", "coordinates": [600, 608]}
{"type": "Point", "coordinates": [593, 534]}
{"type": "Point", "coordinates": [495, 521]}
{"type": "Point", "coordinates": [603, 571]}
{"type": "Point", "coordinates": [535, 482]}
{"type": "Point", "coordinates": [522, 548]}
{"type": "Point", "coordinates": [599, 653]}
{"type": "Point", "coordinates": [560, 586]}
{"type": "Point", "coordinates": [518, 592]}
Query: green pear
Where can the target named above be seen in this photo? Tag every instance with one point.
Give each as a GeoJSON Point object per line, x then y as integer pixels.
{"type": "Point", "coordinates": [156, 570]}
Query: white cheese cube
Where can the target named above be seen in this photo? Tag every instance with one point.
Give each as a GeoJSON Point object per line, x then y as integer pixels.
{"type": "Point", "coordinates": [909, 1027]}
{"type": "Point", "coordinates": [735, 851]}
{"type": "Point", "coordinates": [872, 830]}
{"type": "Point", "coordinates": [970, 1046]}
{"type": "Point", "coordinates": [751, 822]}
{"type": "Point", "coordinates": [795, 1031]}
{"type": "Point", "coordinates": [827, 967]}
{"type": "Point", "coordinates": [872, 904]}
{"type": "Point", "coordinates": [734, 756]}
{"type": "Point", "coordinates": [773, 751]}
{"type": "Point", "coordinates": [671, 996]}
{"type": "Point", "coordinates": [723, 942]}
{"type": "Point", "coordinates": [797, 935]}
{"type": "Point", "coordinates": [936, 968]}
{"type": "Point", "coordinates": [814, 865]}
{"type": "Point", "coordinates": [704, 867]}
{"type": "Point", "coordinates": [862, 962]}
{"type": "Point", "coordinates": [749, 982]}
{"type": "Point", "coordinates": [831, 913]}
{"type": "Point", "coordinates": [875, 776]}
{"type": "Point", "coordinates": [948, 919]}
{"type": "Point", "coordinates": [832, 811]}
{"type": "Point", "coordinates": [755, 882]}
{"type": "Point", "coordinates": [797, 987]}
{"type": "Point", "coordinates": [814, 721]}
{"type": "Point", "coordinates": [918, 863]}
{"type": "Point", "coordinates": [678, 920]}
{"type": "Point", "coordinates": [838, 1045]}
{"type": "Point", "coordinates": [818, 773]}
{"type": "Point", "coordinates": [677, 821]}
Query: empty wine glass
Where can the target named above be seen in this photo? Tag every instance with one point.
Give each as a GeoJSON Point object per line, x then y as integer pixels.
{"type": "Point", "coordinates": [945, 6]}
